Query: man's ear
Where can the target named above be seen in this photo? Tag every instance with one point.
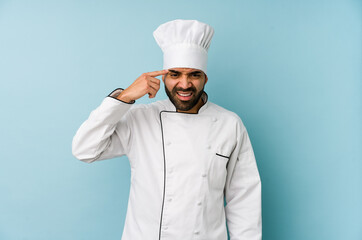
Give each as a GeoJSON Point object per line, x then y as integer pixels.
{"type": "Point", "coordinates": [206, 78]}
{"type": "Point", "coordinates": [163, 78]}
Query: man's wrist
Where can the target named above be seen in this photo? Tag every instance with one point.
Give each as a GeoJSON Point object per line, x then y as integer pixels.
{"type": "Point", "coordinates": [123, 97]}
{"type": "Point", "coordinates": [119, 95]}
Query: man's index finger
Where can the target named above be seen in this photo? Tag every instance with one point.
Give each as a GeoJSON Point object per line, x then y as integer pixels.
{"type": "Point", "coordinates": [157, 73]}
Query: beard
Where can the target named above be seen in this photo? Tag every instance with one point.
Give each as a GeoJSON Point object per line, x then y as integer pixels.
{"type": "Point", "coordinates": [184, 105]}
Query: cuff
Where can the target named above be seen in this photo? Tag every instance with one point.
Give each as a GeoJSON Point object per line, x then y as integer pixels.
{"type": "Point", "coordinates": [114, 94]}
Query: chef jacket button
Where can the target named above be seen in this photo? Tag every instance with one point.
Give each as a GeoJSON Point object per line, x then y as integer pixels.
{"type": "Point", "coordinates": [170, 171]}
{"type": "Point", "coordinates": [165, 228]}
{"type": "Point", "coordinates": [214, 119]}
{"type": "Point", "coordinates": [204, 175]}
{"type": "Point", "coordinates": [168, 143]}
{"type": "Point", "coordinates": [199, 203]}
{"type": "Point", "coordinates": [170, 199]}
{"type": "Point", "coordinates": [196, 232]}
{"type": "Point", "coordinates": [208, 146]}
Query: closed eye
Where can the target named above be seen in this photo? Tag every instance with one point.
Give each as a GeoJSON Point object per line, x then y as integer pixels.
{"type": "Point", "coordinates": [196, 74]}
{"type": "Point", "coordinates": [173, 73]}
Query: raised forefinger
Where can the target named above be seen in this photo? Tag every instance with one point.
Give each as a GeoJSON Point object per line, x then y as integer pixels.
{"type": "Point", "coordinates": [157, 73]}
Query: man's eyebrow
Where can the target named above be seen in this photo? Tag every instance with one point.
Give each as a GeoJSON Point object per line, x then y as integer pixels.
{"type": "Point", "coordinates": [195, 72]}
{"type": "Point", "coordinates": [177, 72]}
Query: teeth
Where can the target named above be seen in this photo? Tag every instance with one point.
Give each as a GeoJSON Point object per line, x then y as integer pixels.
{"type": "Point", "coordinates": [184, 95]}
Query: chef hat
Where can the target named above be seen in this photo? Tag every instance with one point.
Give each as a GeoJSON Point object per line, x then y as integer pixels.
{"type": "Point", "coordinates": [184, 43]}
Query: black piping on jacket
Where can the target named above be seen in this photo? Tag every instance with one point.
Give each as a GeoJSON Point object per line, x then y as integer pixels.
{"type": "Point", "coordinates": [164, 162]}
{"type": "Point", "coordinates": [164, 166]}
{"type": "Point", "coordinates": [164, 176]}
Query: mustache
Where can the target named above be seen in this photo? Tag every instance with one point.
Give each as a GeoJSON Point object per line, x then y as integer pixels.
{"type": "Point", "coordinates": [190, 89]}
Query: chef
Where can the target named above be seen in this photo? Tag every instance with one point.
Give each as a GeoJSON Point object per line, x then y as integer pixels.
{"type": "Point", "coordinates": [187, 155]}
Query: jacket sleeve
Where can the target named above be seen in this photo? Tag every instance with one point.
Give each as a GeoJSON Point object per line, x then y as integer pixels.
{"type": "Point", "coordinates": [243, 191]}
{"type": "Point", "coordinates": [106, 133]}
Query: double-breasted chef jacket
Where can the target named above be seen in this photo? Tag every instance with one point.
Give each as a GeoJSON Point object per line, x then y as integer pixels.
{"type": "Point", "coordinates": [182, 167]}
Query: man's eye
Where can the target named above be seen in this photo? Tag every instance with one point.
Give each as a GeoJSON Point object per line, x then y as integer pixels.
{"type": "Point", "coordinates": [196, 75]}
{"type": "Point", "coordinates": [173, 75]}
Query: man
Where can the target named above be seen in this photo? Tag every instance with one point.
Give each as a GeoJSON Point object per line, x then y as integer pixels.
{"type": "Point", "coordinates": [186, 153]}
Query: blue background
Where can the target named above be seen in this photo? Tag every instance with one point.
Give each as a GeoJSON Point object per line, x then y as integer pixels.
{"type": "Point", "coordinates": [290, 69]}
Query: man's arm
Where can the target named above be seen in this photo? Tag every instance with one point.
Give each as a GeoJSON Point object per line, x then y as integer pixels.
{"type": "Point", "coordinates": [243, 192]}
{"type": "Point", "coordinates": [106, 133]}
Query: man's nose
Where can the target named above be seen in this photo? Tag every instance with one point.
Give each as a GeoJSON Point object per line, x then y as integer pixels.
{"type": "Point", "coordinates": [184, 82]}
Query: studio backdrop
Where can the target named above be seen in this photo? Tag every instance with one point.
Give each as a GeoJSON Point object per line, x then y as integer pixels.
{"type": "Point", "coordinates": [290, 69]}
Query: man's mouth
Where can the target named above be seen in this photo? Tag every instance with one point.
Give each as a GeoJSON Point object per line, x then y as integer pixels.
{"type": "Point", "coordinates": [184, 96]}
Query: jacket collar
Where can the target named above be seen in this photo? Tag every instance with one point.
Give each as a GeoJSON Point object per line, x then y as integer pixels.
{"type": "Point", "coordinates": [171, 108]}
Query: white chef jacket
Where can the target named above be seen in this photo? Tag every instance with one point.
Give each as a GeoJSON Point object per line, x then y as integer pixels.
{"type": "Point", "coordinates": [182, 167]}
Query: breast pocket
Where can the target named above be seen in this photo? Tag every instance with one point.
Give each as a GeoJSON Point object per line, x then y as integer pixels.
{"type": "Point", "coordinates": [217, 173]}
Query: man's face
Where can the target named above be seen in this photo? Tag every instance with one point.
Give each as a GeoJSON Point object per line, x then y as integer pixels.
{"type": "Point", "coordinates": [184, 87]}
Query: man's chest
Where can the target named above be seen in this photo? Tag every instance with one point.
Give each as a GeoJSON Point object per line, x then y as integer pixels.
{"type": "Point", "coordinates": [187, 142]}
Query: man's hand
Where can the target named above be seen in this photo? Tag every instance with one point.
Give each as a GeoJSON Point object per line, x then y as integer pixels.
{"type": "Point", "coordinates": [146, 83]}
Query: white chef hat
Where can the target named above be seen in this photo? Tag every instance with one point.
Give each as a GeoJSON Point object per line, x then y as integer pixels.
{"type": "Point", "coordinates": [184, 43]}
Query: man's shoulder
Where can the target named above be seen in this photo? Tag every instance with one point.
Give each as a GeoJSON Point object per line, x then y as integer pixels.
{"type": "Point", "coordinates": [221, 111]}
{"type": "Point", "coordinates": [155, 107]}
{"type": "Point", "coordinates": [228, 117]}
